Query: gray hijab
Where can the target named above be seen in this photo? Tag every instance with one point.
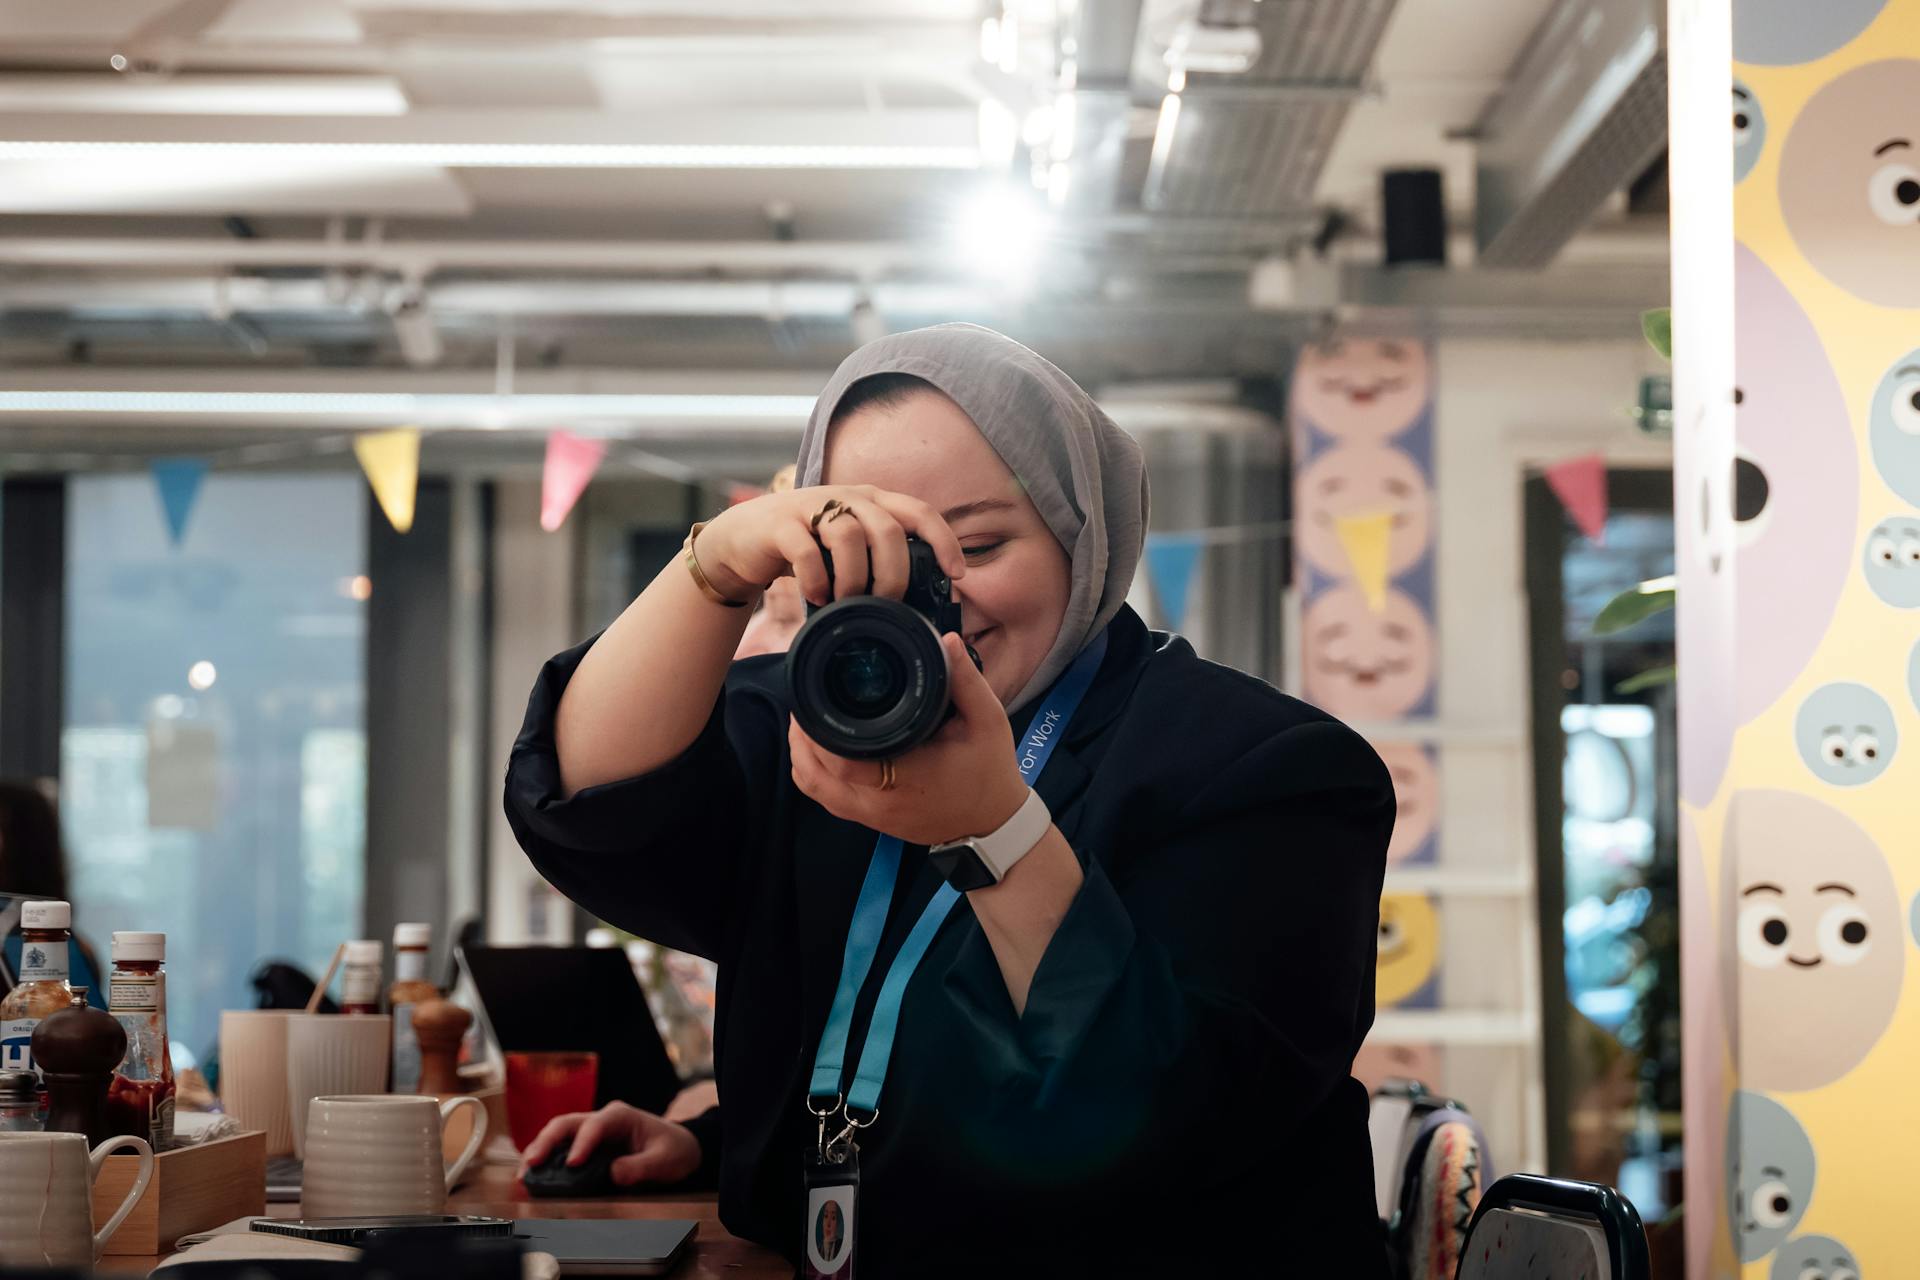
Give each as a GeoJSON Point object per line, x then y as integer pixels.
{"type": "Point", "coordinates": [1084, 474]}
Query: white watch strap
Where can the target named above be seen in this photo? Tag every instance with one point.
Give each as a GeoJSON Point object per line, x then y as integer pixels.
{"type": "Point", "coordinates": [1016, 837]}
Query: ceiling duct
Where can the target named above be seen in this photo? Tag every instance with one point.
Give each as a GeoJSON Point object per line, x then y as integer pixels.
{"type": "Point", "coordinates": [1584, 114]}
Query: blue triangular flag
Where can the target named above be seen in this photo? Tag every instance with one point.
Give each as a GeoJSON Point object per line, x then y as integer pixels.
{"type": "Point", "coordinates": [1171, 558]}
{"type": "Point", "coordinates": [179, 482]}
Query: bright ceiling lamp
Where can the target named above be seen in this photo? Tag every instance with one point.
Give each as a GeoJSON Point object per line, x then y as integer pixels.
{"type": "Point", "coordinates": [999, 233]}
{"type": "Point", "coordinates": [438, 409]}
{"type": "Point", "coordinates": [496, 155]}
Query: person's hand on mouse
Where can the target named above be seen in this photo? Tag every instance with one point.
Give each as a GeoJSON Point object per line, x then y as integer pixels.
{"type": "Point", "coordinates": [656, 1151]}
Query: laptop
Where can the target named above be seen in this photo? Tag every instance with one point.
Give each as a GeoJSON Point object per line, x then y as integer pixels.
{"type": "Point", "coordinates": [637, 1247]}
{"type": "Point", "coordinates": [543, 999]}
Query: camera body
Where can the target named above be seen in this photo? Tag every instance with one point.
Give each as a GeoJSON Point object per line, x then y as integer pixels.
{"type": "Point", "coordinates": [866, 675]}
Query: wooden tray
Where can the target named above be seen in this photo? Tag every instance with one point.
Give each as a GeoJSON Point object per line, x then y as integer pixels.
{"type": "Point", "coordinates": [193, 1188]}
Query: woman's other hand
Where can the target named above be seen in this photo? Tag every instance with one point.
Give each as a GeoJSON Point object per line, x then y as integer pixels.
{"type": "Point", "coordinates": [746, 548]}
{"type": "Point", "coordinates": [656, 1151]}
{"type": "Point", "coordinates": [961, 782]}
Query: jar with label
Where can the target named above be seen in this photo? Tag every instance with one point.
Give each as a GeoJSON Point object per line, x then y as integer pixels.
{"type": "Point", "coordinates": [19, 1102]}
{"type": "Point", "coordinates": [360, 977]}
{"type": "Point", "coordinates": [410, 987]}
{"type": "Point", "coordinates": [42, 991]}
{"type": "Point", "coordinates": [140, 1100]}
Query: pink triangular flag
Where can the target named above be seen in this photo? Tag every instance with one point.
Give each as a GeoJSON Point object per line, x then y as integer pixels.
{"type": "Point", "coordinates": [1581, 485]}
{"type": "Point", "coordinates": [571, 462]}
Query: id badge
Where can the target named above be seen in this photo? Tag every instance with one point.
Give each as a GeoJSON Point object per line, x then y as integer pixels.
{"type": "Point", "coordinates": [833, 1217]}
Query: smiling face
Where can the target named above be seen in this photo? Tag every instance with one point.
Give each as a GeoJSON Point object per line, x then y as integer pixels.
{"type": "Point", "coordinates": [1846, 734]}
{"type": "Point", "coordinates": [1818, 947]}
{"type": "Point", "coordinates": [1018, 575]}
{"type": "Point", "coordinates": [1362, 390]}
{"type": "Point", "coordinates": [1363, 664]}
{"type": "Point", "coordinates": [1363, 480]}
{"type": "Point", "coordinates": [1770, 1172]}
{"type": "Point", "coordinates": [1893, 425]}
{"type": "Point", "coordinates": [1850, 181]}
{"type": "Point", "coordinates": [1891, 561]}
{"type": "Point", "coordinates": [1749, 131]}
{"type": "Point", "coordinates": [1409, 946]}
{"type": "Point", "coordinates": [1814, 1258]}
{"type": "Point", "coordinates": [1416, 797]}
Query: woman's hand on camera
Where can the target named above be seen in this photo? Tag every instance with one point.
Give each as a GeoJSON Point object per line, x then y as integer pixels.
{"type": "Point", "coordinates": [745, 548]}
{"type": "Point", "coordinates": [962, 782]}
{"type": "Point", "coordinates": [656, 1150]}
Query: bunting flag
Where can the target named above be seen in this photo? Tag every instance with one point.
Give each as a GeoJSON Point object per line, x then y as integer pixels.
{"type": "Point", "coordinates": [178, 480]}
{"type": "Point", "coordinates": [1581, 485]}
{"type": "Point", "coordinates": [1365, 540]}
{"type": "Point", "coordinates": [1171, 559]}
{"type": "Point", "coordinates": [391, 460]}
{"type": "Point", "coordinates": [571, 462]}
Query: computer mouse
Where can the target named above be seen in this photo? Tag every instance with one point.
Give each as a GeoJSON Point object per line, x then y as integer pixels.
{"type": "Point", "coordinates": [554, 1178]}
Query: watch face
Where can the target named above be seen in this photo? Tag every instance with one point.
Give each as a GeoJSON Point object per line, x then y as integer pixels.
{"type": "Point", "coordinates": [962, 866]}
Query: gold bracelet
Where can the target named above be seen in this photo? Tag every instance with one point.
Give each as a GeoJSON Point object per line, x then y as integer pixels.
{"type": "Point", "coordinates": [699, 575]}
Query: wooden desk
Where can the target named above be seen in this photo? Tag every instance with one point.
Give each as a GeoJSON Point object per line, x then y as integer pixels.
{"type": "Point", "coordinates": [491, 1190]}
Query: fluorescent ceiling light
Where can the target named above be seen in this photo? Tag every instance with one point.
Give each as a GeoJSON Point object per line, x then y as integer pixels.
{"type": "Point", "coordinates": [206, 95]}
{"type": "Point", "coordinates": [496, 155]}
{"type": "Point", "coordinates": [430, 409]}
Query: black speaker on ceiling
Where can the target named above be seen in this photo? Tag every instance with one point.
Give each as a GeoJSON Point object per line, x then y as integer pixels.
{"type": "Point", "coordinates": [1413, 216]}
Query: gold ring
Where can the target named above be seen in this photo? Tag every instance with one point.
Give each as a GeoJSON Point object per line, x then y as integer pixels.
{"type": "Point", "coordinates": [834, 506]}
{"type": "Point", "coordinates": [888, 776]}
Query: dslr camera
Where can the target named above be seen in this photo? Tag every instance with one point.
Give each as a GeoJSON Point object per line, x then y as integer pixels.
{"type": "Point", "coordinates": [866, 674]}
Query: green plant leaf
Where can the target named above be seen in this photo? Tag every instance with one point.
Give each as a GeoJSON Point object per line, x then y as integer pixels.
{"type": "Point", "coordinates": [1648, 679]}
{"type": "Point", "coordinates": [1657, 325]}
{"type": "Point", "coordinates": [1632, 606]}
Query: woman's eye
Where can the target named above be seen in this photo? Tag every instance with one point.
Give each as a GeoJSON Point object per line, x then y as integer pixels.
{"type": "Point", "coordinates": [983, 549]}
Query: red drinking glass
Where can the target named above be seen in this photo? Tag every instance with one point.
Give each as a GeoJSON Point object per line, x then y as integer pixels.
{"type": "Point", "coordinates": [542, 1086]}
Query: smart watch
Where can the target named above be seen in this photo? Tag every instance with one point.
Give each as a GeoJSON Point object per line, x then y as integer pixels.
{"type": "Point", "coordinates": [978, 862]}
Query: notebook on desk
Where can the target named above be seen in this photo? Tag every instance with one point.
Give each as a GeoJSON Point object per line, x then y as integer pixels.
{"type": "Point", "coordinates": [600, 1247]}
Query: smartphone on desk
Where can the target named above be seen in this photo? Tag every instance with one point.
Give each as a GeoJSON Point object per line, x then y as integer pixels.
{"type": "Point", "coordinates": [354, 1231]}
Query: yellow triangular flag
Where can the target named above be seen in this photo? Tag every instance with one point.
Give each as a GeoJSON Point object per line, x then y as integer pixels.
{"type": "Point", "coordinates": [1365, 540]}
{"type": "Point", "coordinates": [391, 460]}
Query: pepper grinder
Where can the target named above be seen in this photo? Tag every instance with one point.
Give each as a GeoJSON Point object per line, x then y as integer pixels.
{"type": "Point", "coordinates": [440, 1024]}
{"type": "Point", "coordinates": [77, 1051]}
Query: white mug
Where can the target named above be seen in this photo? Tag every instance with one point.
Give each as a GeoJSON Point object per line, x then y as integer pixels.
{"type": "Point", "coordinates": [381, 1154]}
{"type": "Point", "coordinates": [331, 1055]}
{"type": "Point", "coordinates": [253, 1073]}
{"type": "Point", "coordinates": [46, 1198]}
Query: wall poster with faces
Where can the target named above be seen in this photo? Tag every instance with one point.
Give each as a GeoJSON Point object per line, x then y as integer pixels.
{"type": "Point", "coordinates": [1800, 836]}
{"type": "Point", "coordinates": [1363, 529]}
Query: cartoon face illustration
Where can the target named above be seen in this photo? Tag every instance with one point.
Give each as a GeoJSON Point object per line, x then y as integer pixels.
{"type": "Point", "coordinates": [1846, 734]}
{"type": "Point", "coordinates": [1817, 948]}
{"type": "Point", "coordinates": [1749, 131]}
{"type": "Point", "coordinates": [1409, 945]}
{"type": "Point", "coordinates": [1780, 33]}
{"type": "Point", "coordinates": [1794, 488]}
{"type": "Point", "coordinates": [1891, 561]}
{"type": "Point", "coordinates": [1367, 665]}
{"type": "Point", "coordinates": [1850, 180]}
{"type": "Point", "coordinates": [1364, 390]}
{"type": "Point", "coordinates": [1416, 795]}
{"type": "Point", "coordinates": [1893, 425]}
{"type": "Point", "coordinates": [1378, 1063]}
{"type": "Point", "coordinates": [1770, 1170]}
{"type": "Point", "coordinates": [1363, 480]}
{"type": "Point", "coordinates": [1814, 1258]}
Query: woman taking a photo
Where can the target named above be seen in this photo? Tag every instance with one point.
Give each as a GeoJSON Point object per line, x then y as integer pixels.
{"type": "Point", "coordinates": [1112, 1031]}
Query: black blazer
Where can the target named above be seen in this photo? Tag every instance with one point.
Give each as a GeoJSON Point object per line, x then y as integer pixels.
{"type": "Point", "coordinates": [1178, 1086]}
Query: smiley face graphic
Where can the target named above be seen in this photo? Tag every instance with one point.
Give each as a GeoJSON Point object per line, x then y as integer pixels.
{"type": "Point", "coordinates": [1817, 952]}
{"type": "Point", "coordinates": [1362, 390]}
{"type": "Point", "coordinates": [1850, 181]}
{"type": "Point", "coordinates": [1749, 131]}
{"type": "Point", "coordinates": [1846, 734]}
{"type": "Point", "coordinates": [1362, 664]}
{"type": "Point", "coordinates": [1416, 796]}
{"type": "Point", "coordinates": [1770, 1173]}
{"type": "Point", "coordinates": [1409, 946]}
{"type": "Point", "coordinates": [1893, 425]}
{"type": "Point", "coordinates": [1891, 561]}
{"type": "Point", "coordinates": [1781, 33]}
{"type": "Point", "coordinates": [1814, 1258]}
{"type": "Point", "coordinates": [1360, 480]}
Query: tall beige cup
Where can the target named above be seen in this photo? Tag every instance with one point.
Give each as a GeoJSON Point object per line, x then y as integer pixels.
{"type": "Point", "coordinates": [46, 1198]}
{"type": "Point", "coordinates": [330, 1053]}
{"type": "Point", "coordinates": [381, 1154]}
{"type": "Point", "coordinates": [253, 1073]}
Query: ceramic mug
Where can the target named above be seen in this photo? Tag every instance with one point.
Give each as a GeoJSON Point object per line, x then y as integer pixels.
{"type": "Point", "coordinates": [253, 1073]}
{"type": "Point", "coordinates": [331, 1055]}
{"type": "Point", "coordinates": [381, 1154]}
{"type": "Point", "coordinates": [46, 1198]}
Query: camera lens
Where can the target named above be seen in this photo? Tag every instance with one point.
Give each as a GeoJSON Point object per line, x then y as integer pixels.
{"type": "Point", "coordinates": [864, 678]}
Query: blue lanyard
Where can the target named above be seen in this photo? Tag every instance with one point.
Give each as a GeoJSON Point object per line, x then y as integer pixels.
{"type": "Point", "coordinates": [870, 918]}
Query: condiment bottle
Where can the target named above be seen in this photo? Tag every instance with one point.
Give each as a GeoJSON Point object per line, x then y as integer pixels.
{"type": "Point", "coordinates": [140, 1100]}
{"type": "Point", "coordinates": [410, 987]}
{"type": "Point", "coordinates": [360, 977]}
{"type": "Point", "coordinates": [19, 1102]}
{"type": "Point", "coordinates": [43, 988]}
